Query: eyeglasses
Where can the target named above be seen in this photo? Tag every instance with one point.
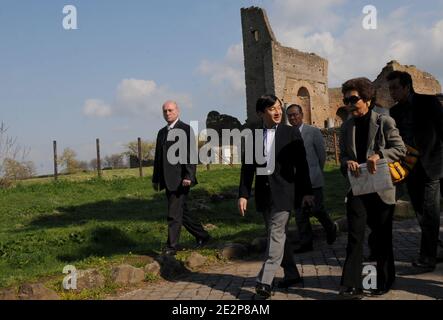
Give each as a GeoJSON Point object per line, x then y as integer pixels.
{"type": "Point", "coordinates": [351, 100]}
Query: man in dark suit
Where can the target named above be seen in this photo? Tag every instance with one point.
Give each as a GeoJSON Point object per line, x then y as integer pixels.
{"type": "Point", "coordinates": [419, 119]}
{"type": "Point", "coordinates": [177, 179]}
{"type": "Point", "coordinates": [284, 166]}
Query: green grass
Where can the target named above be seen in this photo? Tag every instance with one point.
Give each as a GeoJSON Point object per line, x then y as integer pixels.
{"type": "Point", "coordinates": [89, 222]}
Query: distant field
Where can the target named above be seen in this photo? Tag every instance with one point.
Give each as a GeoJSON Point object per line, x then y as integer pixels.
{"type": "Point", "coordinates": [106, 174]}
{"type": "Point", "coordinates": [81, 220]}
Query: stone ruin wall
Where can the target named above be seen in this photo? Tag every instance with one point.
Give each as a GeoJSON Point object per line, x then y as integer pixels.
{"type": "Point", "coordinates": [292, 75]}
{"type": "Point", "coordinates": [423, 82]}
{"type": "Point", "coordinates": [302, 78]}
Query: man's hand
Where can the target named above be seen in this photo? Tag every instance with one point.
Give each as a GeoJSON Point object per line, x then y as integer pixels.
{"type": "Point", "coordinates": [354, 167]}
{"type": "Point", "coordinates": [308, 201]}
{"type": "Point", "coordinates": [372, 163]}
{"type": "Point", "coordinates": [242, 206]}
{"type": "Point", "coordinates": [156, 186]}
{"type": "Point", "coordinates": [186, 182]}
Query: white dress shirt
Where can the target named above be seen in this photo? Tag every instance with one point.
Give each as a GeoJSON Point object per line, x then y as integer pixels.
{"type": "Point", "coordinates": [301, 127]}
{"type": "Point", "coordinates": [268, 140]}
{"type": "Point", "coordinates": [171, 126]}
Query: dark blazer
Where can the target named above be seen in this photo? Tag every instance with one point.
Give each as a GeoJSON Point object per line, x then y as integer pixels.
{"type": "Point", "coordinates": [385, 140]}
{"type": "Point", "coordinates": [291, 168]}
{"type": "Point", "coordinates": [170, 176]}
{"type": "Point", "coordinates": [428, 131]}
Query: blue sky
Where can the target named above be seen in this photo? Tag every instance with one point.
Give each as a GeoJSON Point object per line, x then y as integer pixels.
{"type": "Point", "coordinates": [108, 78]}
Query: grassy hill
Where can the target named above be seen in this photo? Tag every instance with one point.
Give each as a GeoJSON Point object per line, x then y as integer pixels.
{"type": "Point", "coordinates": [85, 221]}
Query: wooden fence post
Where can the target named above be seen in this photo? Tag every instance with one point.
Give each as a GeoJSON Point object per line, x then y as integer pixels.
{"type": "Point", "coordinates": [335, 147]}
{"type": "Point", "coordinates": [99, 167]}
{"type": "Point", "coordinates": [55, 161]}
{"type": "Point", "coordinates": [140, 160]}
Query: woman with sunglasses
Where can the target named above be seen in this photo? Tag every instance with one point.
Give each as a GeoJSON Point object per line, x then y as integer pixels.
{"type": "Point", "coordinates": [367, 137]}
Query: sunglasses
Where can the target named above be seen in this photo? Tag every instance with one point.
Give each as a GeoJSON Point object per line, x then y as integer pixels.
{"type": "Point", "coordinates": [351, 100]}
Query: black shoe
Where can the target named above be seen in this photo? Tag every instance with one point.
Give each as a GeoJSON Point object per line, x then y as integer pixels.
{"type": "Point", "coordinates": [202, 242]}
{"type": "Point", "coordinates": [332, 236]}
{"type": "Point", "coordinates": [286, 283]}
{"type": "Point", "coordinates": [263, 290]}
{"type": "Point", "coordinates": [378, 292]}
{"type": "Point", "coordinates": [352, 293]}
{"type": "Point", "coordinates": [424, 266]}
{"type": "Point", "coordinates": [304, 248]}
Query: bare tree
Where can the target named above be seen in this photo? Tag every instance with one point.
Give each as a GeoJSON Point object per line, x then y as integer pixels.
{"type": "Point", "coordinates": [93, 164]}
{"type": "Point", "coordinates": [83, 165]}
{"type": "Point", "coordinates": [11, 152]}
{"type": "Point", "coordinates": [15, 170]}
{"type": "Point", "coordinates": [115, 161]}
{"type": "Point", "coordinates": [148, 149]}
{"type": "Point", "coordinates": [69, 162]}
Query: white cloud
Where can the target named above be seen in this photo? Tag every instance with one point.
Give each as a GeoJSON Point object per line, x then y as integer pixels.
{"type": "Point", "coordinates": [353, 51]}
{"type": "Point", "coordinates": [437, 34]}
{"type": "Point", "coordinates": [96, 108]}
{"type": "Point", "coordinates": [303, 16]}
{"type": "Point", "coordinates": [228, 73]}
{"type": "Point", "coordinates": [136, 98]}
{"type": "Point", "coordinates": [130, 90]}
{"type": "Point", "coordinates": [329, 29]}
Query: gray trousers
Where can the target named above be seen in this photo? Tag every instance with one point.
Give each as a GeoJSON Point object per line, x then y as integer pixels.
{"type": "Point", "coordinates": [278, 250]}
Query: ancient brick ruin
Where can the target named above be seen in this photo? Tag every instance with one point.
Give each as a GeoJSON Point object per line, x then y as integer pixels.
{"type": "Point", "coordinates": [292, 75]}
{"type": "Point", "coordinates": [423, 82]}
{"type": "Point", "coordinates": [302, 78]}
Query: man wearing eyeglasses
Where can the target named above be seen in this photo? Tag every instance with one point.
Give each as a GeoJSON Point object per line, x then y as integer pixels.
{"type": "Point", "coordinates": [316, 157]}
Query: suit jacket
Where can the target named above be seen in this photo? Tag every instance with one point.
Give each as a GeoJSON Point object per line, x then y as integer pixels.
{"type": "Point", "coordinates": [315, 154]}
{"type": "Point", "coordinates": [427, 130]}
{"type": "Point", "coordinates": [170, 176]}
{"type": "Point", "coordinates": [388, 142]}
{"type": "Point", "coordinates": [278, 189]}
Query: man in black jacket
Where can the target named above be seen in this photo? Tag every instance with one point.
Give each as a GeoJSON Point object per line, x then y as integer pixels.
{"type": "Point", "coordinates": [176, 178]}
{"type": "Point", "coordinates": [419, 119]}
{"type": "Point", "coordinates": [275, 189]}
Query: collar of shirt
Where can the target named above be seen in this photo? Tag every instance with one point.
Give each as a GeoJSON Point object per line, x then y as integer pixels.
{"type": "Point", "coordinates": [272, 128]}
{"type": "Point", "coordinates": [301, 127]}
{"type": "Point", "coordinates": [268, 140]}
{"type": "Point", "coordinates": [172, 125]}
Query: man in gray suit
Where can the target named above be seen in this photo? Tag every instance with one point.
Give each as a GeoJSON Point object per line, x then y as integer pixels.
{"type": "Point", "coordinates": [316, 157]}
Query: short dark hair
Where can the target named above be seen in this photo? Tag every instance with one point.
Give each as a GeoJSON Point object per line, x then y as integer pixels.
{"type": "Point", "coordinates": [299, 108]}
{"type": "Point", "coordinates": [266, 101]}
{"type": "Point", "coordinates": [403, 77]}
{"type": "Point", "coordinates": [364, 86]}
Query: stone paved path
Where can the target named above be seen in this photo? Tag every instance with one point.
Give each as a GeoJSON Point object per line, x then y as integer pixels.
{"type": "Point", "coordinates": [321, 270]}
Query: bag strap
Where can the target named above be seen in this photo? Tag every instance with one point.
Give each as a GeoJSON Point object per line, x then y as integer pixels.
{"type": "Point", "coordinates": [378, 135]}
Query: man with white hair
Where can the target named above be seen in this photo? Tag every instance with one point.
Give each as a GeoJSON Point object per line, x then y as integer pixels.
{"type": "Point", "coordinates": [176, 179]}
